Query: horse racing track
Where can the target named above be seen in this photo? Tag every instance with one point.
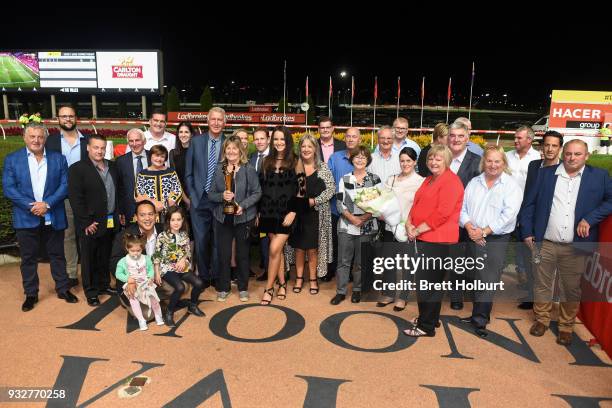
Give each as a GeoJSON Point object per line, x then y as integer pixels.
{"type": "Point", "coordinates": [301, 352]}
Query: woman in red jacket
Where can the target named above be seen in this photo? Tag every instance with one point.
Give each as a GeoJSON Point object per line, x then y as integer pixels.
{"type": "Point", "coordinates": [433, 223]}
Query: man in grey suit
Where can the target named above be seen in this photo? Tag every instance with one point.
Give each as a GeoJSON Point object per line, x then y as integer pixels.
{"type": "Point", "coordinates": [464, 164]}
{"type": "Point", "coordinates": [200, 165]}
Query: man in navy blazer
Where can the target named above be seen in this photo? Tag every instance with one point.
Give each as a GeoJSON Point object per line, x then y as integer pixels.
{"type": "Point", "coordinates": [560, 222]}
{"type": "Point", "coordinates": [128, 166]}
{"type": "Point", "coordinates": [552, 143]}
{"type": "Point", "coordinates": [200, 165]}
{"type": "Point", "coordinates": [36, 181]}
{"type": "Point", "coordinates": [73, 145]}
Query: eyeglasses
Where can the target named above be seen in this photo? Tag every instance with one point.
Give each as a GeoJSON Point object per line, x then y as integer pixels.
{"type": "Point", "coordinates": [65, 117]}
{"type": "Point", "coordinates": [360, 158]}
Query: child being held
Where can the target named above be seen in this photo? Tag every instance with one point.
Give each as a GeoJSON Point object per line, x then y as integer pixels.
{"type": "Point", "coordinates": [138, 268]}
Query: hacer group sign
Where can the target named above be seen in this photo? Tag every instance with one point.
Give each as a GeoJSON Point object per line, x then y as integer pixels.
{"type": "Point", "coordinates": [240, 117]}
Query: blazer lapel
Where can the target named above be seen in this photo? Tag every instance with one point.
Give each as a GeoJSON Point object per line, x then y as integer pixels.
{"type": "Point", "coordinates": [582, 191]}
{"type": "Point", "coordinates": [28, 180]}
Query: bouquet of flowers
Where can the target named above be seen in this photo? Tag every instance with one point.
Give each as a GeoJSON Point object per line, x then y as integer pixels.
{"type": "Point", "coordinates": [380, 203]}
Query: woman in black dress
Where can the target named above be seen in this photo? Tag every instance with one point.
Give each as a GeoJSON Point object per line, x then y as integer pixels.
{"type": "Point", "coordinates": [277, 208]}
{"type": "Point", "coordinates": [184, 133]}
{"type": "Point", "coordinates": [313, 225]}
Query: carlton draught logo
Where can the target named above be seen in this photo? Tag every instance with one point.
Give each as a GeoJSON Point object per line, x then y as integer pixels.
{"type": "Point", "coordinates": [127, 69]}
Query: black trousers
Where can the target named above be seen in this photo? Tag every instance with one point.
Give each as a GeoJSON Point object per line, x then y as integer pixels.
{"type": "Point", "coordinates": [30, 240]}
{"type": "Point", "coordinates": [458, 250]}
{"type": "Point", "coordinates": [174, 279]}
{"type": "Point", "coordinates": [332, 266]}
{"type": "Point", "coordinates": [95, 255]}
{"type": "Point", "coordinates": [430, 300]}
{"type": "Point", "coordinates": [224, 234]}
{"type": "Point", "coordinates": [495, 252]}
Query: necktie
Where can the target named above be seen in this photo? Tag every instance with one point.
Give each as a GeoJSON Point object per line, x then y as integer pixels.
{"type": "Point", "coordinates": [139, 165]}
{"type": "Point", "coordinates": [212, 162]}
{"type": "Point", "coordinates": [259, 162]}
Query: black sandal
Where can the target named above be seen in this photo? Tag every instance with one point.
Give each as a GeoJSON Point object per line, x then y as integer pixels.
{"type": "Point", "coordinates": [314, 291]}
{"type": "Point", "coordinates": [296, 288]}
{"type": "Point", "coordinates": [281, 296]}
{"type": "Point", "coordinates": [270, 292]}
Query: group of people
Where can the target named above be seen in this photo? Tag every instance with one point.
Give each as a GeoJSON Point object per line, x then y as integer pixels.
{"type": "Point", "coordinates": [182, 210]}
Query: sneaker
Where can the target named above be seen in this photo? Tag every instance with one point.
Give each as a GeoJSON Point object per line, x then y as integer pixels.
{"type": "Point", "coordinates": [143, 325]}
{"type": "Point", "coordinates": [244, 296]}
{"type": "Point", "coordinates": [222, 296]}
{"type": "Point", "coordinates": [159, 320]}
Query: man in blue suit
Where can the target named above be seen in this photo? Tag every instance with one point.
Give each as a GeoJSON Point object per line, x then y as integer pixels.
{"type": "Point", "coordinates": [36, 181]}
{"type": "Point", "coordinates": [128, 167]}
{"type": "Point", "coordinates": [559, 221]}
{"type": "Point", "coordinates": [200, 165]}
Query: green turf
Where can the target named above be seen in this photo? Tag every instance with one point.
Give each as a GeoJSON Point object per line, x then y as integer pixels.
{"type": "Point", "coordinates": [14, 74]}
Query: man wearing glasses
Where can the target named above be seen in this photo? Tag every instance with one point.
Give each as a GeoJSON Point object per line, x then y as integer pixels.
{"type": "Point", "coordinates": [72, 144]}
{"type": "Point", "coordinates": [400, 136]}
{"type": "Point", "coordinates": [328, 144]}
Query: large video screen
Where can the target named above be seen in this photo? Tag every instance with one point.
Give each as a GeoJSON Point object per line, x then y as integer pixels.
{"type": "Point", "coordinates": [61, 69]}
{"type": "Point", "coordinates": [73, 71]}
{"type": "Point", "coordinates": [127, 70]}
{"type": "Point", "coordinates": [19, 70]}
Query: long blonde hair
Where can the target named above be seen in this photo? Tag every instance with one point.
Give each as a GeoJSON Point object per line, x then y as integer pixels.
{"type": "Point", "coordinates": [235, 140]}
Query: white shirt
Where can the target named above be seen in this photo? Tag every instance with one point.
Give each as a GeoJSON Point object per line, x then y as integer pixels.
{"type": "Point", "coordinates": [384, 168]}
{"type": "Point", "coordinates": [145, 163]}
{"type": "Point", "coordinates": [264, 154]}
{"type": "Point", "coordinates": [496, 207]}
{"type": "Point", "coordinates": [560, 226]}
{"type": "Point", "coordinates": [168, 140]}
{"type": "Point", "coordinates": [519, 166]}
{"type": "Point", "coordinates": [405, 190]}
{"type": "Point", "coordinates": [38, 174]}
{"type": "Point", "coordinates": [456, 163]}
{"type": "Point", "coordinates": [150, 245]}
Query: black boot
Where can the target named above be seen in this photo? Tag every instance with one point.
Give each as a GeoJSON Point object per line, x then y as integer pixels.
{"type": "Point", "coordinates": [169, 318]}
{"type": "Point", "coordinates": [195, 310]}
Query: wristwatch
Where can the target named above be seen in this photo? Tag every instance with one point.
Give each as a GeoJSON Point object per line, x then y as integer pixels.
{"type": "Point", "coordinates": [484, 234]}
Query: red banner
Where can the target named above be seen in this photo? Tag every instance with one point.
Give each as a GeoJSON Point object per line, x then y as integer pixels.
{"type": "Point", "coordinates": [240, 117]}
{"type": "Point", "coordinates": [260, 108]}
{"type": "Point", "coordinates": [597, 284]}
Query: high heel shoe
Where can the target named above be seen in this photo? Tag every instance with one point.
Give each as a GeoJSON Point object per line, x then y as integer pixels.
{"type": "Point", "coordinates": [296, 288]}
{"type": "Point", "coordinates": [281, 296]}
{"type": "Point", "coordinates": [314, 291]}
{"type": "Point", "coordinates": [270, 292]}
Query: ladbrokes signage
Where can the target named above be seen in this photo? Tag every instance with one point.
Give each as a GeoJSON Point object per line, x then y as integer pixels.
{"type": "Point", "coordinates": [240, 117]}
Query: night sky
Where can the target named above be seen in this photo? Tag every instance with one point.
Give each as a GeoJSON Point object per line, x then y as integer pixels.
{"type": "Point", "coordinates": [524, 64]}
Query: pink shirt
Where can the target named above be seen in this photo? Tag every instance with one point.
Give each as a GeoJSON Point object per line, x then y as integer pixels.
{"type": "Point", "coordinates": [328, 150]}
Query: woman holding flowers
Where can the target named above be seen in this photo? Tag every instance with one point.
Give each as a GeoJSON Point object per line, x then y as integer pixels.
{"type": "Point", "coordinates": [354, 226]}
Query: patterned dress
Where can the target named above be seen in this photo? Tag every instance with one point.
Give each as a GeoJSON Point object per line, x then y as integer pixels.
{"type": "Point", "coordinates": [160, 185]}
{"type": "Point", "coordinates": [322, 206]}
